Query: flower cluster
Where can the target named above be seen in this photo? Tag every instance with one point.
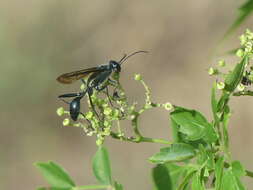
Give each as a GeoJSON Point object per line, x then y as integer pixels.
{"type": "Point", "coordinates": [246, 49]}
{"type": "Point", "coordinates": [108, 109]}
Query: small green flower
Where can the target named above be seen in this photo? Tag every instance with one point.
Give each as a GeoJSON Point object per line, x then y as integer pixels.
{"type": "Point", "coordinates": [82, 87]}
{"type": "Point", "coordinates": [107, 123]}
{"type": "Point", "coordinates": [89, 115]}
{"type": "Point", "coordinates": [116, 113]}
{"type": "Point", "coordinates": [249, 34]}
{"type": "Point", "coordinates": [137, 77]}
{"type": "Point", "coordinates": [239, 53]}
{"type": "Point", "coordinates": [132, 117]}
{"type": "Point", "coordinates": [220, 85]}
{"type": "Point", "coordinates": [107, 111]}
{"type": "Point", "coordinates": [240, 87]}
{"type": "Point", "coordinates": [222, 63]}
{"type": "Point", "coordinates": [243, 39]}
{"type": "Point", "coordinates": [211, 71]}
{"type": "Point", "coordinates": [250, 77]}
{"type": "Point", "coordinates": [100, 140]}
{"type": "Point", "coordinates": [60, 111]}
{"type": "Point", "coordinates": [107, 131]}
{"type": "Point", "coordinates": [168, 106]}
{"type": "Point", "coordinates": [66, 122]}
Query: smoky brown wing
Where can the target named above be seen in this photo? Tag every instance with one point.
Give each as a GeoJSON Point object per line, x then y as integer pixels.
{"type": "Point", "coordinates": [68, 78]}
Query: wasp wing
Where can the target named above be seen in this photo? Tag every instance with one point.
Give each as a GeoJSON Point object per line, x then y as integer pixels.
{"type": "Point", "coordinates": [68, 78]}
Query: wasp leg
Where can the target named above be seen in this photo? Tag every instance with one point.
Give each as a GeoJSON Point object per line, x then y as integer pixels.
{"type": "Point", "coordinates": [91, 104]}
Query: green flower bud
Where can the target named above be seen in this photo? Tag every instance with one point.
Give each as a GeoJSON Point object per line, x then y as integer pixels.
{"type": "Point", "coordinates": [250, 77]}
{"type": "Point", "coordinates": [66, 122]}
{"type": "Point", "coordinates": [60, 111]}
{"type": "Point", "coordinates": [89, 115]}
{"type": "Point", "coordinates": [99, 142]}
{"type": "Point", "coordinates": [137, 77]}
{"type": "Point", "coordinates": [168, 106]}
{"type": "Point", "coordinates": [132, 117]}
{"type": "Point", "coordinates": [221, 63]}
{"type": "Point", "coordinates": [243, 39]}
{"type": "Point", "coordinates": [239, 53]}
{"type": "Point", "coordinates": [240, 87]}
{"type": "Point", "coordinates": [107, 111]}
{"type": "Point", "coordinates": [107, 131]}
{"type": "Point", "coordinates": [82, 87]}
{"type": "Point", "coordinates": [220, 85]}
{"type": "Point", "coordinates": [116, 113]}
{"type": "Point", "coordinates": [212, 71]}
{"type": "Point", "coordinates": [106, 123]}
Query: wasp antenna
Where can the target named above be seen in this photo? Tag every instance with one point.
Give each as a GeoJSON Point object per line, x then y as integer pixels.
{"type": "Point", "coordinates": [125, 57]}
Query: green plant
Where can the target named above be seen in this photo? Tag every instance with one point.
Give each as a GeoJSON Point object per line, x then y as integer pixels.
{"type": "Point", "coordinates": [198, 155]}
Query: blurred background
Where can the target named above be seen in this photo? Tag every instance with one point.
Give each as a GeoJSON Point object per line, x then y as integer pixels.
{"type": "Point", "coordinates": [40, 39]}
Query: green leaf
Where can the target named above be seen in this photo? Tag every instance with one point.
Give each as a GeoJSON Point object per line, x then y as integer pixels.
{"type": "Point", "coordinates": [161, 177]}
{"type": "Point", "coordinates": [41, 188]}
{"type": "Point", "coordinates": [234, 77]}
{"type": "Point", "coordinates": [175, 131]}
{"type": "Point", "coordinates": [167, 176]}
{"type": "Point", "coordinates": [193, 124]}
{"type": "Point", "coordinates": [238, 169]}
{"type": "Point", "coordinates": [118, 186]}
{"type": "Point", "coordinates": [219, 173]}
{"type": "Point", "coordinates": [101, 166]}
{"type": "Point", "coordinates": [175, 153]}
{"type": "Point", "coordinates": [231, 182]}
{"type": "Point", "coordinates": [196, 182]}
{"type": "Point", "coordinates": [205, 157]}
{"type": "Point", "coordinates": [244, 11]}
{"type": "Point", "coordinates": [55, 175]}
{"type": "Point", "coordinates": [223, 101]}
{"type": "Point", "coordinates": [187, 178]}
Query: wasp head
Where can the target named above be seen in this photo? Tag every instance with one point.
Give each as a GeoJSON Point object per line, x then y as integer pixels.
{"type": "Point", "coordinates": [115, 66]}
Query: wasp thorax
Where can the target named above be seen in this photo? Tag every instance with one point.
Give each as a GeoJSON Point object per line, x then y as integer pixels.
{"type": "Point", "coordinates": [115, 66]}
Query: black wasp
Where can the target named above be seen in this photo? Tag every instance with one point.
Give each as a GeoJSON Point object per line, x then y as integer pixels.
{"type": "Point", "coordinates": [97, 79]}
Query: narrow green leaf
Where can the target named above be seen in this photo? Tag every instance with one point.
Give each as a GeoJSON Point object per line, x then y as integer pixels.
{"type": "Point", "coordinates": [167, 176]}
{"type": "Point", "coordinates": [193, 124]}
{"type": "Point", "coordinates": [55, 175]}
{"type": "Point", "coordinates": [234, 77]}
{"type": "Point", "coordinates": [118, 186]}
{"type": "Point", "coordinates": [223, 101]}
{"type": "Point", "coordinates": [196, 182]}
{"type": "Point", "coordinates": [244, 11]}
{"type": "Point", "coordinates": [187, 178]}
{"type": "Point", "coordinates": [238, 169]}
{"type": "Point", "coordinates": [101, 166]}
{"type": "Point", "coordinates": [219, 173]}
{"type": "Point", "coordinates": [175, 153]}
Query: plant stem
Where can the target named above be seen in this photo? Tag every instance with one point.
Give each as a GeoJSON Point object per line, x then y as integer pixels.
{"type": "Point", "coordinates": [140, 139]}
{"type": "Point", "coordinates": [161, 141]}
